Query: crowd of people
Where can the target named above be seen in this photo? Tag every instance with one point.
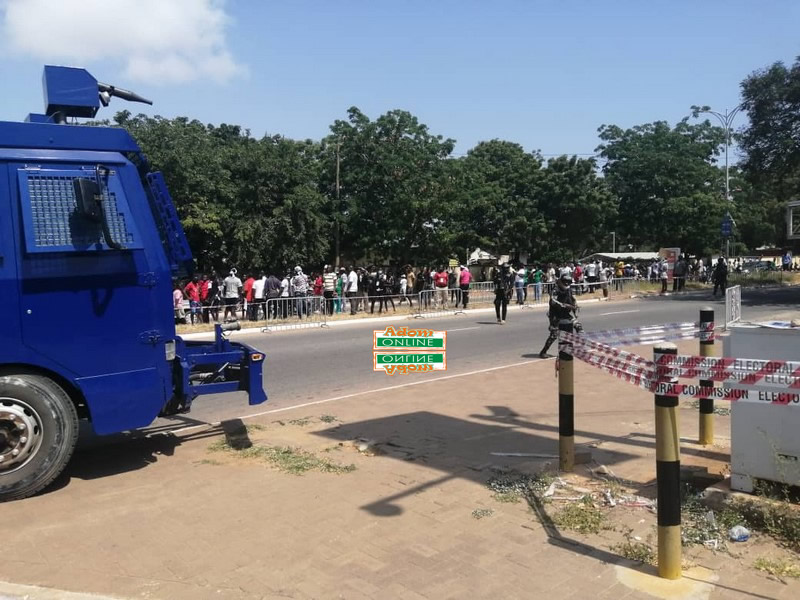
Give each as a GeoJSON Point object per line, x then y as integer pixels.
{"type": "Point", "coordinates": [297, 294]}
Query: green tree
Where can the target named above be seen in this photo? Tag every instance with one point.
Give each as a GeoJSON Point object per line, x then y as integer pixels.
{"type": "Point", "coordinates": [578, 207]}
{"type": "Point", "coordinates": [393, 176]}
{"type": "Point", "coordinates": [245, 202]}
{"type": "Point", "coordinates": [670, 190]}
{"type": "Point", "coordinates": [771, 145]}
{"type": "Point", "coordinates": [496, 206]}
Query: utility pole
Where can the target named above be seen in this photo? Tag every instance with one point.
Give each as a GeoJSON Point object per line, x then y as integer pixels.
{"type": "Point", "coordinates": [613, 242]}
{"type": "Point", "coordinates": [727, 121]}
{"type": "Point", "coordinates": [337, 210]}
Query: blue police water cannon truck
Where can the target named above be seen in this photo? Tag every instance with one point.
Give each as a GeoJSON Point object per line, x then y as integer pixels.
{"type": "Point", "coordinates": [89, 244]}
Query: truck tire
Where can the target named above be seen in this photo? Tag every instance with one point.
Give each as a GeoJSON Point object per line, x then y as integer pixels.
{"type": "Point", "coordinates": [38, 433]}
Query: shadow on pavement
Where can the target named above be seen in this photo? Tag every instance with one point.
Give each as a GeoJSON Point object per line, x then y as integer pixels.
{"type": "Point", "coordinates": [135, 450]}
{"type": "Point", "coordinates": [459, 448]}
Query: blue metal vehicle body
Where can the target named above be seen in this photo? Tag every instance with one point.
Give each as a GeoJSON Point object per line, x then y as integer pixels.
{"type": "Point", "coordinates": [86, 289]}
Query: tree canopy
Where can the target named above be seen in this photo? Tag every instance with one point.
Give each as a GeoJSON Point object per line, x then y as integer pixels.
{"type": "Point", "coordinates": [272, 202]}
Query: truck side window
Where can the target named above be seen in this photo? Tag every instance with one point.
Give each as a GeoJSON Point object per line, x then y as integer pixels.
{"type": "Point", "coordinates": [53, 221]}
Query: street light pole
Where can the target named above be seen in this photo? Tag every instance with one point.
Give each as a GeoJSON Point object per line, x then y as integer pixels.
{"type": "Point", "coordinates": [727, 121]}
{"type": "Point", "coordinates": [613, 242]}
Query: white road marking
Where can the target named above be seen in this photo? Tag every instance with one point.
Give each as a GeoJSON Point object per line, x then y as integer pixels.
{"type": "Point", "coordinates": [353, 395]}
{"type": "Point", "coordinates": [618, 312]}
{"type": "Point", "coordinates": [463, 328]}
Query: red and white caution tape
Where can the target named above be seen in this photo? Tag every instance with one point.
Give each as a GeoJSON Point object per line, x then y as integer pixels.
{"type": "Point", "coordinates": [608, 364]}
{"type": "Point", "coordinates": [731, 394]}
{"type": "Point", "coordinates": [645, 330]}
{"type": "Point", "coordinates": [569, 342]}
{"type": "Point", "coordinates": [780, 374]}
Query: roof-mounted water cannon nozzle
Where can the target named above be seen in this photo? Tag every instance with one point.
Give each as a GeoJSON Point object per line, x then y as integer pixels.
{"type": "Point", "coordinates": [72, 92]}
{"type": "Point", "coordinates": [107, 91]}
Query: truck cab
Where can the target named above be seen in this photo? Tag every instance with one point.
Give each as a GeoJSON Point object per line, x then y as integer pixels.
{"type": "Point", "coordinates": [89, 244]}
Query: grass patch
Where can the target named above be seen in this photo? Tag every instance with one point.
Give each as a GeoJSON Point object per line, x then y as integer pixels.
{"type": "Point", "coordinates": [638, 551]}
{"type": "Point", "coordinates": [480, 513]}
{"type": "Point", "coordinates": [581, 516]}
{"type": "Point", "coordinates": [328, 418]}
{"type": "Point", "coordinates": [289, 460]}
{"type": "Point", "coordinates": [777, 520]}
{"type": "Point", "coordinates": [207, 461]}
{"type": "Point", "coordinates": [255, 427]}
{"type": "Point", "coordinates": [779, 567]}
{"type": "Point", "coordinates": [300, 422]}
{"type": "Point", "coordinates": [507, 497]}
{"type": "Point", "coordinates": [519, 485]}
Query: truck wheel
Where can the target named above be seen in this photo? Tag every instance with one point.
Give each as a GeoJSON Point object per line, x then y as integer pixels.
{"type": "Point", "coordinates": [38, 432]}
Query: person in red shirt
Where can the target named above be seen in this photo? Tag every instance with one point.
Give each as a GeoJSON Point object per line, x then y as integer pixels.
{"type": "Point", "coordinates": [248, 296]}
{"type": "Point", "coordinates": [440, 281]}
{"type": "Point", "coordinates": [205, 301]}
{"type": "Point", "coordinates": [192, 291]}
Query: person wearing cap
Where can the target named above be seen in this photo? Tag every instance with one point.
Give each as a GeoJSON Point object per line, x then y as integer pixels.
{"type": "Point", "coordinates": [299, 286]}
{"type": "Point", "coordinates": [563, 306]}
{"type": "Point", "coordinates": [503, 288]}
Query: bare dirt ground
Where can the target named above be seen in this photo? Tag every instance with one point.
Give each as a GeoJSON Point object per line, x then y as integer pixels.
{"type": "Point", "coordinates": [382, 496]}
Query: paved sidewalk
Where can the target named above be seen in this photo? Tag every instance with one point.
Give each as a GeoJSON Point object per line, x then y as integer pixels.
{"type": "Point", "coordinates": [170, 517]}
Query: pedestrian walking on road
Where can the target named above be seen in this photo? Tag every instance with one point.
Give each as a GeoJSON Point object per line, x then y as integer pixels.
{"type": "Point", "coordinates": [720, 276]}
{"type": "Point", "coordinates": [503, 288]}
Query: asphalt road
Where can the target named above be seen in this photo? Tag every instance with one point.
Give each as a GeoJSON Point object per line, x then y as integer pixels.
{"type": "Point", "coordinates": [315, 364]}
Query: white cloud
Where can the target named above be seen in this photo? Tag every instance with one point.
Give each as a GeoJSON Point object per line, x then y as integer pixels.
{"type": "Point", "coordinates": [157, 41]}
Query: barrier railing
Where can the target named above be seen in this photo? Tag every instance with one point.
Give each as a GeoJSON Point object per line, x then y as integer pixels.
{"type": "Point", "coordinates": [441, 302]}
{"type": "Point", "coordinates": [733, 305]}
{"type": "Point", "coordinates": [299, 312]}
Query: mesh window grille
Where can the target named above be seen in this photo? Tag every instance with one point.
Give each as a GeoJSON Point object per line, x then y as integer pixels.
{"type": "Point", "coordinates": [55, 221]}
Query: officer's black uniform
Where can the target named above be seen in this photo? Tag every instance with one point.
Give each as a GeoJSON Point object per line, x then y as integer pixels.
{"type": "Point", "coordinates": [562, 306]}
{"type": "Point", "coordinates": [503, 286]}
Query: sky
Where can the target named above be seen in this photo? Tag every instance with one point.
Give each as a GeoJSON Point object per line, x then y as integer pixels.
{"type": "Point", "coordinates": [543, 74]}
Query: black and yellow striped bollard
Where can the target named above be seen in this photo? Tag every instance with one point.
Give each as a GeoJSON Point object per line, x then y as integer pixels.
{"type": "Point", "coordinates": [668, 477]}
{"type": "Point", "coordinates": [706, 349]}
{"type": "Point", "coordinates": [566, 403]}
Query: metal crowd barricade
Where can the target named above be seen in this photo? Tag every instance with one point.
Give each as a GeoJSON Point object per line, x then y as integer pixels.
{"type": "Point", "coordinates": [298, 312]}
{"type": "Point", "coordinates": [480, 292]}
{"type": "Point", "coordinates": [536, 294]}
{"type": "Point", "coordinates": [439, 303]}
{"type": "Point", "coordinates": [733, 305]}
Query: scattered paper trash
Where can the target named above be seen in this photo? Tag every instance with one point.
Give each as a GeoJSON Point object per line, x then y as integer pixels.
{"type": "Point", "coordinates": [550, 490]}
{"type": "Point", "coordinates": [739, 533]}
{"type": "Point", "coordinates": [610, 498]}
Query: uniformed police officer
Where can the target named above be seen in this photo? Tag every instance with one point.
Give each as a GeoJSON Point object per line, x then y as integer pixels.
{"type": "Point", "coordinates": [503, 286]}
{"type": "Point", "coordinates": [562, 306]}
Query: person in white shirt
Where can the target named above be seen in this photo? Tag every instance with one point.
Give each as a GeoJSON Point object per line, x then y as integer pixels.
{"type": "Point", "coordinates": [258, 296]}
{"type": "Point", "coordinates": [519, 284]}
{"type": "Point", "coordinates": [590, 272]}
{"type": "Point", "coordinates": [232, 287]}
{"type": "Point", "coordinates": [284, 297]}
{"type": "Point", "coordinates": [352, 290]}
